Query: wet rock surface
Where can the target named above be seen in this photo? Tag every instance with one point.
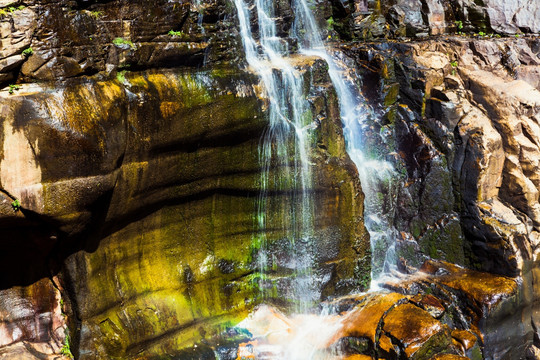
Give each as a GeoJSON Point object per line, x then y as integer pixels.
{"type": "Point", "coordinates": [147, 166]}
{"type": "Point", "coordinates": [393, 325]}
{"type": "Point", "coordinates": [138, 185]}
{"type": "Point", "coordinates": [475, 130]}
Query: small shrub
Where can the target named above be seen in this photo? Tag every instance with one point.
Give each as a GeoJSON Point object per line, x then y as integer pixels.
{"type": "Point", "coordinates": [66, 349]}
{"type": "Point", "coordinates": [27, 52]}
{"type": "Point", "coordinates": [121, 76]}
{"type": "Point", "coordinates": [16, 205]}
{"type": "Point", "coordinates": [12, 88]}
{"type": "Point", "coordinates": [96, 14]}
{"type": "Point", "coordinates": [121, 41]}
{"type": "Point", "coordinates": [454, 65]}
{"type": "Point", "coordinates": [481, 33]}
{"type": "Point", "coordinates": [11, 9]}
{"type": "Point", "coordinates": [330, 23]}
{"type": "Point", "coordinates": [176, 33]}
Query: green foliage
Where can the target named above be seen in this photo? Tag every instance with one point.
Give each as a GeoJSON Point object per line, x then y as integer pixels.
{"type": "Point", "coordinates": [481, 33]}
{"type": "Point", "coordinates": [176, 33]}
{"type": "Point", "coordinates": [517, 35]}
{"type": "Point", "coordinates": [16, 205]}
{"type": "Point", "coordinates": [27, 52]}
{"type": "Point", "coordinates": [121, 76]}
{"type": "Point", "coordinates": [459, 25]}
{"type": "Point", "coordinates": [13, 87]}
{"type": "Point", "coordinates": [454, 65]}
{"type": "Point", "coordinates": [11, 9]}
{"type": "Point", "coordinates": [330, 23]}
{"type": "Point", "coordinates": [121, 41]}
{"type": "Point", "coordinates": [96, 14]}
{"type": "Point", "coordinates": [66, 349]}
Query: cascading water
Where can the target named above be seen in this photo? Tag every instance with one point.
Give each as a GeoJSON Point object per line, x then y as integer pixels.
{"type": "Point", "coordinates": [199, 9]}
{"type": "Point", "coordinates": [354, 111]}
{"type": "Point", "coordinates": [285, 142]}
{"type": "Point", "coordinates": [287, 104]}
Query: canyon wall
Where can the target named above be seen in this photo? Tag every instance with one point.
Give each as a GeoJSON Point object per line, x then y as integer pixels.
{"type": "Point", "coordinates": [131, 143]}
{"type": "Point", "coordinates": [130, 173]}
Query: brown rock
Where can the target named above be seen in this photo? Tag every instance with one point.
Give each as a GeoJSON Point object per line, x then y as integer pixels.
{"type": "Point", "coordinates": [466, 338]}
{"type": "Point", "coordinates": [418, 333]}
{"type": "Point", "coordinates": [448, 357]}
{"type": "Point", "coordinates": [532, 353]}
{"type": "Point", "coordinates": [363, 321]}
{"type": "Point", "coordinates": [357, 357]}
{"type": "Point", "coordinates": [429, 303]}
{"type": "Point", "coordinates": [387, 348]}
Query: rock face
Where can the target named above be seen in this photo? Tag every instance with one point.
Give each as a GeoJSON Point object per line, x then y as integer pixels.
{"type": "Point", "coordinates": [130, 178]}
{"type": "Point", "coordinates": [482, 126]}
{"type": "Point", "coordinates": [463, 117]}
{"type": "Point", "coordinates": [420, 18]}
{"type": "Point", "coordinates": [137, 187]}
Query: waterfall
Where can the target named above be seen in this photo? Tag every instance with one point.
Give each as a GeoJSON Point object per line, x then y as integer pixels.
{"type": "Point", "coordinates": [199, 8]}
{"type": "Point", "coordinates": [354, 112]}
{"type": "Point", "coordinates": [285, 143]}
{"type": "Point", "coordinates": [288, 110]}
{"type": "Point", "coordinates": [283, 86]}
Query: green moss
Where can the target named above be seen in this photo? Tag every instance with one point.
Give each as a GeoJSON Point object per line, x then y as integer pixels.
{"type": "Point", "coordinates": [391, 94]}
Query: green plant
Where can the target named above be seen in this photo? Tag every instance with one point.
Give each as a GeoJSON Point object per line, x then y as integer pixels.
{"type": "Point", "coordinates": [330, 23]}
{"type": "Point", "coordinates": [176, 33]}
{"type": "Point", "coordinates": [16, 205]}
{"type": "Point", "coordinates": [121, 41]}
{"type": "Point", "coordinates": [96, 14]}
{"type": "Point", "coordinates": [27, 52]}
{"type": "Point", "coordinates": [121, 76]}
{"type": "Point", "coordinates": [459, 25]}
{"type": "Point", "coordinates": [517, 36]}
{"type": "Point", "coordinates": [482, 33]}
{"type": "Point", "coordinates": [66, 349]}
{"type": "Point", "coordinates": [13, 8]}
{"type": "Point", "coordinates": [12, 88]}
{"type": "Point", "coordinates": [6, 11]}
{"type": "Point", "coordinates": [454, 65]}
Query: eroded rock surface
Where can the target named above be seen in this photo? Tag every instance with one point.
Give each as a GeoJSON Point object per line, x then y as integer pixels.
{"type": "Point", "coordinates": [463, 119]}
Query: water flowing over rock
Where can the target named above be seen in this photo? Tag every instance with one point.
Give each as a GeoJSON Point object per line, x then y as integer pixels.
{"type": "Point", "coordinates": [175, 177]}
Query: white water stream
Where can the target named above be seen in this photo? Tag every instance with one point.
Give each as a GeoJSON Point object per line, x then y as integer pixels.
{"type": "Point", "coordinates": [286, 142]}
{"type": "Point", "coordinates": [268, 56]}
